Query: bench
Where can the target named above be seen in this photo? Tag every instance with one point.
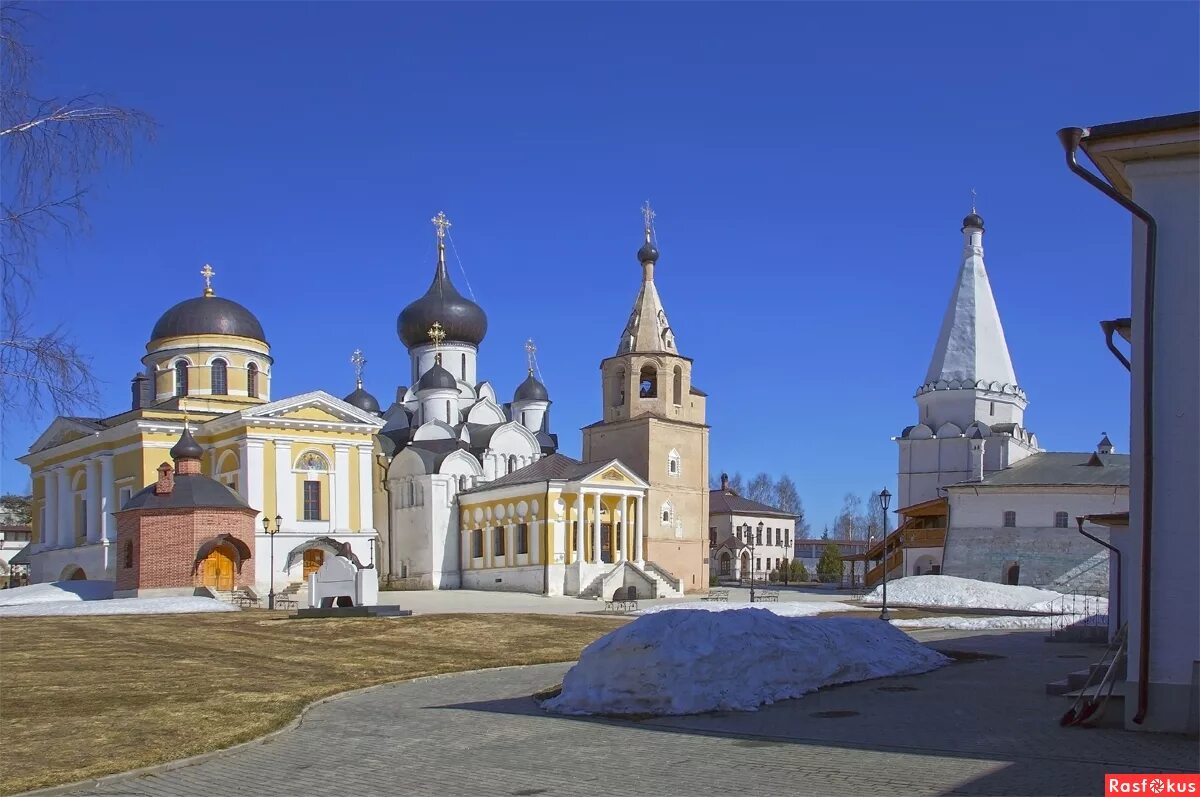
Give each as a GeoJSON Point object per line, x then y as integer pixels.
{"type": "Point", "coordinates": [286, 603]}
{"type": "Point", "coordinates": [245, 600]}
{"type": "Point", "coordinates": [624, 599]}
{"type": "Point", "coordinates": [768, 595]}
{"type": "Point", "coordinates": [718, 595]}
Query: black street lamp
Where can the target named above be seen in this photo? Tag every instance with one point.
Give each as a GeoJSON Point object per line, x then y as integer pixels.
{"type": "Point", "coordinates": [271, 532]}
{"type": "Point", "coordinates": [885, 498]}
{"type": "Point", "coordinates": [750, 539]}
{"type": "Point", "coordinates": [786, 563]}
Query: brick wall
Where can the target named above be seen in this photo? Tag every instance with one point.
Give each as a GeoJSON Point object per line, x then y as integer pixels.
{"type": "Point", "coordinates": [164, 544]}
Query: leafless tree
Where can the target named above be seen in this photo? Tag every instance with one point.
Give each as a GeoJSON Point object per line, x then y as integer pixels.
{"type": "Point", "coordinates": [762, 489]}
{"type": "Point", "coordinates": [50, 149]}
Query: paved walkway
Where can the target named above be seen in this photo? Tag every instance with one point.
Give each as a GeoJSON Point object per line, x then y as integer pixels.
{"type": "Point", "coordinates": [458, 601]}
{"type": "Point", "coordinates": [980, 727]}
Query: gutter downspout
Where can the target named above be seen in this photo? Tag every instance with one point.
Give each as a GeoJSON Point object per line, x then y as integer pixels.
{"type": "Point", "coordinates": [1080, 520]}
{"type": "Point", "coordinates": [1070, 137]}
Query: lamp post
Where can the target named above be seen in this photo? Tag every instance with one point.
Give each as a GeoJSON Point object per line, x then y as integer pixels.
{"type": "Point", "coordinates": [271, 532]}
{"type": "Point", "coordinates": [786, 563]}
{"type": "Point", "coordinates": [885, 498]}
{"type": "Point", "coordinates": [750, 538]}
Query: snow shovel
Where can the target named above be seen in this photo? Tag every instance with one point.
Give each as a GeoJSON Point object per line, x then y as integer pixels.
{"type": "Point", "coordinates": [1094, 709]}
{"type": "Point", "coordinates": [1083, 708]}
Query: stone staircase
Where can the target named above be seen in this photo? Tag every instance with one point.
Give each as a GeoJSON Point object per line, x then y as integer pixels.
{"type": "Point", "coordinates": [665, 584]}
{"type": "Point", "coordinates": [1072, 686]}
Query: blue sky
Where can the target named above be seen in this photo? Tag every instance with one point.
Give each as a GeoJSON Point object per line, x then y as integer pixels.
{"type": "Point", "coordinates": [810, 165]}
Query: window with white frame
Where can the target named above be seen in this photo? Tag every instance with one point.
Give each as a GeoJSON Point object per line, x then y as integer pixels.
{"type": "Point", "coordinates": [1060, 520]}
{"type": "Point", "coordinates": [673, 463]}
{"type": "Point", "coordinates": [668, 512]}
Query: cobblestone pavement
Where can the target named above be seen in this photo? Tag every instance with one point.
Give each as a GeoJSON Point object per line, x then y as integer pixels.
{"type": "Point", "coordinates": [977, 727]}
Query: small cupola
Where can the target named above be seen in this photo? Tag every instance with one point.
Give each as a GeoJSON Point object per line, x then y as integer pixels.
{"type": "Point", "coordinates": [360, 398]}
{"type": "Point", "coordinates": [187, 453]}
{"type": "Point", "coordinates": [1105, 445]}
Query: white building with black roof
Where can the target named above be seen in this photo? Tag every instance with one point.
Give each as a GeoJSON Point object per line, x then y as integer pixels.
{"type": "Point", "coordinates": [746, 538]}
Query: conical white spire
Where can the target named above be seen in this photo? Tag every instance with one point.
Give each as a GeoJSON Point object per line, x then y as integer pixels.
{"type": "Point", "coordinates": [647, 329]}
{"type": "Point", "coordinates": [971, 345]}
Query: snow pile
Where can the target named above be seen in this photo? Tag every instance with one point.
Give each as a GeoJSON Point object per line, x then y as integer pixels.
{"type": "Point", "coordinates": [783, 609]}
{"type": "Point", "coordinates": [1024, 623]}
{"type": "Point", "coordinates": [183, 605]}
{"type": "Point", "coordinates": [687, 662]}
{"type": "Point", "coordinates": [951, 592]}
{"type": "Point", "coordinates": [57, 592]}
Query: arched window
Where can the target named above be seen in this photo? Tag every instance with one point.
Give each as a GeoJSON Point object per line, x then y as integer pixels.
{"type": "Point", "coordinates": [252, 380]}
{"type": "Point", "coordinates": [1012, 575]}
{"type": "Point", "coordinates": [1060, 520]}
{"type": "Point", "coordinates": [648, 382]}
{"type": "Point", "coordinates": [462, 483]}
{"type": "Point", "coordinates": [448, 413]}
{"type": "Point", "coordinates": [312, 460]}
{"type": "Point", "coordinates": [181, 377]}
{"type": "Point", "coordinates": [464, 368]}
{"type": "Point", "coordinates": [220, 378]}
{"type": "Point", "coordinates": [673, 463]}
{"type": "Point", "coordinates": [512, 463]}
{"type": "Point", "coordinates": [677, 386]}
{"type": "Point", "coordinates": [668, 512]}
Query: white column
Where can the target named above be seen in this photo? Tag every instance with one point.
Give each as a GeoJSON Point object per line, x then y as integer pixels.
{"type": "Point", "coordinates": [341, 469]}
{"type": "Point", "coordinates": [581, 511]}
{"type": "Point", "coordinates": [623, 534]}
{"type": "Point", "coordinates": [50, 502]}
{"type": "Point", "coordinates": [638, 531]}
{"type": "Point", "coordinates": [285, 485]}
{"type": "Point", "coordinates": [92, 520]}
{"type": "Point", "coordinates": [108, 524]}
{"type": "Point", "coordinates": [596, 528]}
{"type": "Point", "coordinates": [66, 520]}
{"type": "Point", "coordinates": [366, 487]}
{"type": "Point", "coordinates": [255, 470]}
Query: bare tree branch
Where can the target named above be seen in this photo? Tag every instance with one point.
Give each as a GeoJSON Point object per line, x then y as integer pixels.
{"type": "Point", "coordinates": [50, 151]}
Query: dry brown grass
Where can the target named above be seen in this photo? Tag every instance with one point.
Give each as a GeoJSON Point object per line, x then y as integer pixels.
{"type": "Point", "coordinates": [85, 697]}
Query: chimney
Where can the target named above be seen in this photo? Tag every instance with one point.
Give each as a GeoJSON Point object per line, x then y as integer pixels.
{"type": "Point", "coordinates": [166, 480]}
{"type": "Point", "coordinates": [977, 441]}
{"type": "Point", "coordinates": [724, 482]}
{"type": "Point", "coordinates": [138, 387]}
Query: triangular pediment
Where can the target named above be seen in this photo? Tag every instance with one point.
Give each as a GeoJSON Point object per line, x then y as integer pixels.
{"type": "Point", "coordinates": [62, 431]}
{"type": "Point", "coordinates": [315, 407]}
{"type": "Point", "coordinates": [613, 474]}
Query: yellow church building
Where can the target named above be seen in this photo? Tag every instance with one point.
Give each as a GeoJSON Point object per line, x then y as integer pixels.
{"type": "Point", "coordinates": [304, 462]}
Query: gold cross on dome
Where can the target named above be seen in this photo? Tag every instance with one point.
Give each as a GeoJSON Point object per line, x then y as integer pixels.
{"type": "Point", "coordinates": [358, 360]}
{"type": "Point", "coordinates": [442, 224]}
{"type": "Point", "coordinates": [437, 334]}
{"type": "Point", "coordinates": [647, 214]}
{"type": "Point", "coordinates": [530, 350]}
{"type": "Point", "coordinates": [973, 195]}
{"type": "Point", "coordinates": [207, 272]}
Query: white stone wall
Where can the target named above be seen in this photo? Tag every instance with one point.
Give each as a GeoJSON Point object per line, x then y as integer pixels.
{"type": "Point", "coordinates": [530, 578]}
{"type": "Point", "coordinates": [979, 546]}
{"type": "Point", "coordinates": [98, 561]}
{"type": "Point", "coordinates": [1167, 189]}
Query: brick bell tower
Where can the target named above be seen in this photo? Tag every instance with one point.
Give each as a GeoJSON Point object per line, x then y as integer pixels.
{"type": "Point", "coordinates": [654, 422]}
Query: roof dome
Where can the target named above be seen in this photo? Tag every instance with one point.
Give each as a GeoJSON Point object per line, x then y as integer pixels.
{"type": "Point", "coordinates": [208, 315]}
{"type": "Point", "coordinates": [648, 253]}
{"type": "Point", "coordinates": [973, 220]}
{"type": "Point", "coordinates": [462, 319]}
{"type": "Point", "coordinates": [531, 390]}
{"type": "Point", "coordinates": [187, 447]}
{"type": "Point", "coordinates": [363, 400]}
{"type": "Point", "coordinates": [437, 378]}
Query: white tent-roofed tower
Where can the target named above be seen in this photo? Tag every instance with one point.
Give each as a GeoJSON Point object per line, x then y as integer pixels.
{"type": "Point", "coordinates": [970, 391]}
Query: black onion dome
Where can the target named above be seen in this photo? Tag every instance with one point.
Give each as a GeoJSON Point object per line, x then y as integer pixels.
{"type": "Point", "coordinates": [531, 390]}
{"type": "Point", "coordinates": [363, 400]}
{"type": "Point", "coordinates": [462, 319]}
{"type": "Point", "coordinates": [208, 315]}
{"type": "Point", "coordinates": [973, 220]}
{"type": "Point", "coordinates": [187, 447]}
{"type": "Point", "coordinates": [437, 378]}
{"type": "Point", "coordinates": [648, 253]}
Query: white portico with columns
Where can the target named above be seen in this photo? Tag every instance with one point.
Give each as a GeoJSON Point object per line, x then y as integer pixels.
{"type": "Point", "coordinates": [560, 527]}
{"type": "Point", "coordinates": [971, 410]}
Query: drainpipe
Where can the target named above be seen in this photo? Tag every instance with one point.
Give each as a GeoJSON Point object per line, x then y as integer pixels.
{"type": "Point", "coordinates": [1095, 539]}
{"type": "Point", "coordinates": [1070, 138]}
{"type": "Point", "coordinates": [1110, 327]}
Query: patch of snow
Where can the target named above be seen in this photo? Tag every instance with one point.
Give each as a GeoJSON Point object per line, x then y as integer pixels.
{"type": "Point", "coordinates": [952, 592]}
{"type": "Point", "coordinates": [182, 605]}
{"type": "Point", "coordinates": [783, 608]}
{"type": "Point", "coordinates": [57, 592]}
{"type": "Point", "coordinates": [688, 662]}
{"type": "Point", "coordinates": [983, 623]}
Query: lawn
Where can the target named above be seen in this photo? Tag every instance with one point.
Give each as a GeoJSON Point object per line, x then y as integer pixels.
{"type": "Point", "coordinates": [85, 697]}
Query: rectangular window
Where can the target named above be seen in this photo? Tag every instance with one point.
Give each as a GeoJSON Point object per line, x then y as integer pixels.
{"type": "Point", "coordinates": [1010, 519]}
{"type": "Point", "coordinates": [312, 500]}
{"type": "Point", "coordinates": [712, 535]}
{"type": "Point", "coordinates": [758, 564]}
{"type": "Point", "coordinates": [477, 544]}
{"type": "Point", "coordinates": [523, 538]}
{"type": "Point", "coordinates": [126, 494]}
{"type": "Point", "coordinates": [758, 536]}
{"type": "Point", "coordinates": [498, 541]}
{"type": "Point", "coordinates": [1060, 520]}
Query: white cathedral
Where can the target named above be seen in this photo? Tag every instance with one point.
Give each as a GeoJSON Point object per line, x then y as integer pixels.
{"type": "Point", "coordinates": [978, 496]}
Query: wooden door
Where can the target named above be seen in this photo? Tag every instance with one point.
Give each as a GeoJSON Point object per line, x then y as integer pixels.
{"type": "Point", "coordinates": [217, 570]}
{"type": "Point", "coordinates": [313, 559]}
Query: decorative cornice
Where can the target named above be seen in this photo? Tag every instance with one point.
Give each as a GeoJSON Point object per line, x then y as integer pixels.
{"type": "Point", "coordinates": [982, 386]}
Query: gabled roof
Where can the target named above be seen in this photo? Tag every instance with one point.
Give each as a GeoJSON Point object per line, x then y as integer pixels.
{"type": "Point", "coordinates": [556, 467]}
{"type": "Point", "coordinates": [1052, 468]}
{"type": "Point", "coordinates": [335, 405]}
{"type": "Point", "coordinates": [727, 502]}
{"type": "Point", "coordinates": [61, 426]}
